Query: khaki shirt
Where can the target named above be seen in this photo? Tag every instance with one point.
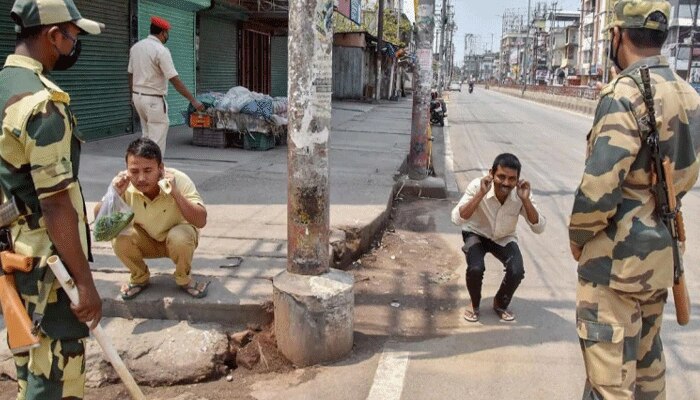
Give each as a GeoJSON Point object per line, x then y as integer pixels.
{"type": "Point", "coordinates": [625, 244]}
{"type": "Point", "coordinates": [156, 217]}
{"type": "Point", "coordinates": [40, 154]}
{"type": "Point", "coordinates": [151, 65]}
{"type": "Point", "coordinates": [492, 219]}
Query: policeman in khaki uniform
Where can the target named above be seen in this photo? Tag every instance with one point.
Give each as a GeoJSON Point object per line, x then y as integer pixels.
{"type": "Point", "coordinates": [624, 253]}
{"type": "Point", "coordinates": [39, 154]}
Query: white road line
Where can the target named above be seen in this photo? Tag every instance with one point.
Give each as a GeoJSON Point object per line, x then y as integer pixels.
{"type": "Point", "coordinates": [450, 179]}
{"type": "Point", "coordinates": [391, 371]}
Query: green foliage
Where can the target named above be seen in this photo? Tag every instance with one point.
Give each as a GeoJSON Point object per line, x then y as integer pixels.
{"type": "Point", "coordinates": [369, 25]}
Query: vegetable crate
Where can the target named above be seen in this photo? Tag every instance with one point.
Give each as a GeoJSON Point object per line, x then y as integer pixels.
{"type": "Point", "coordinates": [211, 137]}
{"type": "Point", "coordinates": [258, 141]}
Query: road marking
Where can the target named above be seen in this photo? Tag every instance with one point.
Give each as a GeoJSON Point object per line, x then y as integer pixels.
{"type": "Point", "coordinates": [391, 371]}
{"type": "Point", "coordinates": [450, 179]}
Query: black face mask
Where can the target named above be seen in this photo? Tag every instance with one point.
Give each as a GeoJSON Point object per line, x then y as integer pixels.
{"type": "Point", "coordinates": [166, 38]}
{"type": "Point", "coordinates": [613, 52]}
{"type": "Point", "coordinates": [66, 61]}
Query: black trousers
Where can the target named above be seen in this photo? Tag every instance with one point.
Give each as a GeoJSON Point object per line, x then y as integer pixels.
{"type": "Point", "coordinates": [475, 249]}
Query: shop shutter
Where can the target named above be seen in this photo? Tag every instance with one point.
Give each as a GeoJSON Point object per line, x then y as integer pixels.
{"type": "Point", "coordinates": [218, 55]}
{"type": "Point", "coordinates": [7, 30]}
{"type": "Point", "coordinates": [279, 68]}
{"type": "Point", "coordinates": [98, 83]}
{"type": "Point", "coordinates": [181, 45]}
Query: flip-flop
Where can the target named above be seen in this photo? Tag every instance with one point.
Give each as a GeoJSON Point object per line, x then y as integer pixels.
{"type": "Point", "coordinates": [504, 314]}
{"type": "Point", "coordinates": [131, 290]}
{"type": "Point", "coordinates": [196, 289]}
{"type": "Point", "coordinates": [472, 315]}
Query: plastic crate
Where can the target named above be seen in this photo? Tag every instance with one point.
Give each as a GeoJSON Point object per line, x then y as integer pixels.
{"type": "Point", "coordinates": [198, 120]}
{"type": "Point", "coordinates": [258, 141]}
{"type": "Point", "coordinates": [211, 137]}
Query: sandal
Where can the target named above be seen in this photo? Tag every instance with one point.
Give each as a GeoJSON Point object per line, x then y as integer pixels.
{"type": "Point", "coordinates": [196, 289]}
{"type": "Point", "coordinates": [504, 314]}
{"type": "Point", "coordinates": [131, 290]}
{"type": "Point", "coordinates": [472, 315]}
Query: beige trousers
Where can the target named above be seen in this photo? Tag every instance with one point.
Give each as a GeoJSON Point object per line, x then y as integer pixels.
{"type": "Point", "coordinates": [136, 246]}
{"type": "Point", "coordinates": [153, 113]}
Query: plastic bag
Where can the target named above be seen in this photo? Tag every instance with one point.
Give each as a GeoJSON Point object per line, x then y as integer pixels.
{"type": "Point", "coordinates": [114, 216]}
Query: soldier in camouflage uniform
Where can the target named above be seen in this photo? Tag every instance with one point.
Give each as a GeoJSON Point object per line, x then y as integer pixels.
{"type": "Point", "coordinates": [624, 253]}
{"type": "Point", "coordinates": [39, 159]}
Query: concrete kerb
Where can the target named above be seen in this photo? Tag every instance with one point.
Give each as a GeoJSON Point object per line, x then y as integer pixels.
{"type": "Point", "coordinates": [583, 106]}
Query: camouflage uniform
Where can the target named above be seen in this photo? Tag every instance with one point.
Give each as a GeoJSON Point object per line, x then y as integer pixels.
{"type": "Point", "coordinates": [39, 157]}
{"type": "Point", "coordinates": [626, 264]}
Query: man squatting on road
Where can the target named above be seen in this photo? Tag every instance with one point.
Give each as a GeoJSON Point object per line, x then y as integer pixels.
{"type": "Point", "coordinates": [488, 214]}
{"type": "Point", "coordinates": [168, 214]}
{"type": "Point", "coordinates": [40, 153]}
{"type": "Point", "coordinates": [624, 250]}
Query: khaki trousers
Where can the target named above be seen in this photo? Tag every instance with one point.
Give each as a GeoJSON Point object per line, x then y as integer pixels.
{"type": "Point", "coordinates": [179, 246]}
{"type": "Point", "coordinates": [620, 338]}
{"type": "Point", "coordinates": [153, 113]}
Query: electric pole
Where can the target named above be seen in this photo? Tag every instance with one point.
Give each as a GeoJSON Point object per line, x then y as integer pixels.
{"type": "Point", "coordinates": [313, 304]}
{"type": "Point", "coordinates": [692, 40]}
{"type": "Point", "coordinates": [380, 45]}
{"type": "Point", "coordinates": [441, 54]}
{"type": "Point", "coordinates": [418, 156]}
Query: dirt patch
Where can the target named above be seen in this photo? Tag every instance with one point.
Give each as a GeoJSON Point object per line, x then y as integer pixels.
{"type": "Point", "coordinates": [407, 285]}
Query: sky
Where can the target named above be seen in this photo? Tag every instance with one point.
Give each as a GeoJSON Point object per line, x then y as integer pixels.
{"type": "Point", "coordinates": [483, 18]}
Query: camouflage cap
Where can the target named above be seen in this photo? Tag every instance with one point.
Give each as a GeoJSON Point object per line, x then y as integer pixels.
{"type": "Point", "coordinates": [30, 13]}
{"type": "Point", "coordinates": [635, 14]}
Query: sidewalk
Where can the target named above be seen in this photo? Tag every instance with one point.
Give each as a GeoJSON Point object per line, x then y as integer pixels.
{"type": "Point", "coordinates": [246, 197]}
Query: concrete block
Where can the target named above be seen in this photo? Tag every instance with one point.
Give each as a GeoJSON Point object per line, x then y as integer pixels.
{"type": "Point", "coordinates": [432, 187]}
{"type": "Point", "coordinates": [314, 316]}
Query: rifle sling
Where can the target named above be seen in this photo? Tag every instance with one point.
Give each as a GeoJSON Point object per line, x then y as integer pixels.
{"type": "Point", "coordinates": [43, 298]}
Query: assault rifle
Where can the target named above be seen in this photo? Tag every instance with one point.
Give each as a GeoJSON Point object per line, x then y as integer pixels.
{"type": "Point", "coordinates": [21, 333]}
{"type": "Point", "coordinates": [667, 207]}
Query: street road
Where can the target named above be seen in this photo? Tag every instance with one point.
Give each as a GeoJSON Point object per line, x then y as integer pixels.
{"type": "Point", "coordinates": [537, 357]}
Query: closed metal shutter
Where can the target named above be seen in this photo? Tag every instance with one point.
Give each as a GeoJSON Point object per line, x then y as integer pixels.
{"type": "Point", "coordinates": [181, 45]}
{"type": "Point", "coordinates": [7, 30]}
{"type": "Point", "coordinates": [218, 55]}
{"type": "Point", "coordinates": [98, 84]}
{"type": "Point", "coordinates": [279, 68]}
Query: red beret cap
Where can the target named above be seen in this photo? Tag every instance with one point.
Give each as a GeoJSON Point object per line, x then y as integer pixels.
{"type": "Point", "coordinates": [160, 22]}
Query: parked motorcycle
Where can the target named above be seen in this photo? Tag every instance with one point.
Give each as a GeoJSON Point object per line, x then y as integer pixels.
{"type": "Point", "coordinates": [438, 112]}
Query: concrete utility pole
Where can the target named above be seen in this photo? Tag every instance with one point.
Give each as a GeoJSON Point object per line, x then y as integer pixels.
{"type": "Point", "coordinates": [441, 54]}
{"type": "Point", "coordinates": [422, 75]}
{"type": "Point", "coordinates": [313, 303]}
{"type": "Point", "coordinates": [527, 46]}
{"type": "Point", "coordinates": [380, 45]}
{"type": "Point", "coordinates": [692, 40]}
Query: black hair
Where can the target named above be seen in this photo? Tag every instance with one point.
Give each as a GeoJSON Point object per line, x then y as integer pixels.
{"type": "Point", "coordinates": [29, 33]}
{"type": "Point", "coordinates": [32, 32]}
{"type": "Point", "coordinates": [156, 30]}
{"type": "Point", "coordinates": [649, 38]}
{"type": "Point", "coordinates": [506, 160]}
{"type": "Point", "coordinates": [146, 148]}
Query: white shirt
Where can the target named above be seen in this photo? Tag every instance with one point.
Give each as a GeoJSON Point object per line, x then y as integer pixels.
{"type": "Point", "coordinates": [151, 65]}
{"type": "Point", "coordinates": [494, 220]}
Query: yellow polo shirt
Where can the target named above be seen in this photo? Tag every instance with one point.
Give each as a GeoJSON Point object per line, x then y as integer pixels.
{"type": "Point", "coordinates": [159, 215]}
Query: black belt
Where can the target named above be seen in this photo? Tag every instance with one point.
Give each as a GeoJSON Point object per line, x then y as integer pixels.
{"type": "Point", "coordinates": [148, 94]}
